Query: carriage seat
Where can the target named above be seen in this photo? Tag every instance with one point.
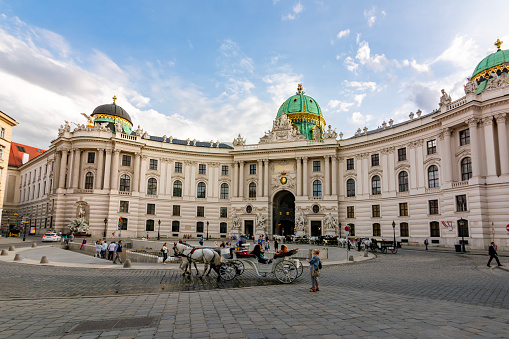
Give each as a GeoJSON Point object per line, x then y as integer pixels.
{"type": "Point", "coordinates": [287, 254]}
{"type": "Point", "coordinates": [245, 254]}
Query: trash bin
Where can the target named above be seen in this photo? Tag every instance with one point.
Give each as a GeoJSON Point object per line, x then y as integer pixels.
{"type": "Point", "coordinates": [457, 247]}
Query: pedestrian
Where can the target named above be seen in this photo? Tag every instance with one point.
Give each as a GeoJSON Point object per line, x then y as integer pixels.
{"type": "Point", "coordinates": [104, 249]}
{"type": "Point", "coordinates": [111, 250]}
{"type": "Point", "coordinates": [165, 253]}
{"type": "Point", "coordinates": [118, 252]}
{"type": "Point", "coordinates": [276, 244]}
{"type": "Point", "coordinates": [98, 248]}
{"type": "Point", "coordinates": [201, 240]}
{"type": "Point", "coordinates": [71, 237]}
{"type": "Point", "coordinates": [493, 254]}
{"type": "Point", "coordinates": [426, 243]}
{"type": "Point", "coordinates": [314, 264]}
{"type": "Point", "coordinates": [267, 244]}
{"type": "Point", "coordinates": [83, 243]}
{"type": "Point", "coordinates": [66, 240]}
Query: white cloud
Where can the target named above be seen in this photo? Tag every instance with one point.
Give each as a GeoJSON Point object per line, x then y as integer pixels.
{"type": "Point", "coordinates": [416, 66]}
{"type": "Point", "coordinates": [281, 85]}
{"type": "Point", "coordinates": [339, 106]}
{"type": "Point", "coordinates": [343, 33]}
{"type": "Point", "coordinates": [371, 15]}
{"type": "Point", "coordinates": [463, 52]}
{"type": "Point", "coordinates": [375, 62]}
{"type": "Point", "coordinates": [358, 98]}
{"type": "Point", "coordinates": [362, 85]}
{"type": "Point", "coordinates": [351, 65]}
{"type": "Point", "coordinates": [298, 8]}
{"type": "Point", "coordinates": [358, 119]}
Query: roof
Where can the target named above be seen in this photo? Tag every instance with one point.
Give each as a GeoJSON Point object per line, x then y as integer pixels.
{"type": "Point", "coordinates": [500, 57]}
{"type": "Point", "coordinates": [299, 103]}
{"type": "Point", "coordinates": [112, 109]}
{"type": "Point", "coordinates": [191, 142]}
{"type": "Point", "coordinates": [17, 151]}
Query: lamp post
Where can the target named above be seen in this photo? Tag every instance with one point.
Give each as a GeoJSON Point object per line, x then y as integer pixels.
{"type": "Point", "coordinates": [105, 226]}
{"type": "Point", "coordinates": [462, 222]}
{"type": "Point", "coordinates": [24, 229]}
{"type": "Point", "coordinates": [207, 230]}
{"type": "Point", "coordinates": [159, 230]}
{"type": "Point", "coordinates": [394, 229]}
{"type": "Point", "coordinates": [8, 226]}
{"type": "Point", "coordinates": [339, 224]}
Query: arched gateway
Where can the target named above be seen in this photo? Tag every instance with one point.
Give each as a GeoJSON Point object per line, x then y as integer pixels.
{"type": "Point", "coordinates": [283, 213]}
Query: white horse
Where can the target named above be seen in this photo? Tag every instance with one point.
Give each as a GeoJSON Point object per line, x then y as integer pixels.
{"type": "Point", "coordinates": [207, 256]}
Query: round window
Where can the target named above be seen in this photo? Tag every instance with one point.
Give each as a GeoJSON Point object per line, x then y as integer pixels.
{"type": "Point", "coordinates": [316, 208]}
{"type": "Point", "coordinates": [249, 209]}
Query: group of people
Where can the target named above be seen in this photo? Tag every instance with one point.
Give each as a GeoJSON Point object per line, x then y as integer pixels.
{"type": "Point", "coordinates": [103, 250]}
{"type": "Point", "coordinates": [187, 236]}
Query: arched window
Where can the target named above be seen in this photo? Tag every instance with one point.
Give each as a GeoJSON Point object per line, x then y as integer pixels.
{"type": "Point", "coordinates": [433, 176]}
{"type": "Point", "coordinates": [175, 226]}
{"type": "Point", "coordinates": [252, 190]}
{"type": "Point", "coordinates": [177, 188]}
{"type": "Point", "coordinates": [89, 181]}
{"type": "Point", "coordinates": [376, 186]}
{"type": "Point", "coordinates": [317, 188]}
{"type": "Point", "coordinates": [152, 186]}
{"type": "Point", "coordinates": [403, 181]}
{"type": "Point", "coordinates": [350, 188]}
{"type": "Point", "coordinates": [377, 231]}
{"type": "Point", "coordinates": [202, 189]}
{"type": "Point", "coordinates": [466, 168]}
{"type": "Point", "coordinates": [225, 191]}
{"type": "Point", "coordinates": [125, 183]}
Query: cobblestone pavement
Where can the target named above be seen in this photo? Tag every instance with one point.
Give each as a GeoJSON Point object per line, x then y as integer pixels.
{"type": "Point", "coordinates": [411, 294]}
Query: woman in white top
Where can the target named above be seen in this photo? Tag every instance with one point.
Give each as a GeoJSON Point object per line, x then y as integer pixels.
{"type": "Point", "coordinates": [98, 249]}
{"type": "Point", "coordinates": [165, 253]}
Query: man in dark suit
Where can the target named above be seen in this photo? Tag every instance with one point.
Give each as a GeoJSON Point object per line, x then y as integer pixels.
{"type": "Point", "coordinates": [493, 254]}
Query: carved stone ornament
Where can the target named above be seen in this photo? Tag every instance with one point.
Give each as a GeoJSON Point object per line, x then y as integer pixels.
{"type": "Point", "coordinates": [331, 134]}
{"type": "Point", "coordinates": [282, 130]}
{"type": "Point", "coordinates": [330, 222]}
{"type": "Point", "coordinates": [300, 222]}
{"type": "Point", "coordinates": [239, 141]}
{"type": "Point", "coordinates": [496, 81]}
{"type": "Point", "coordinates": [235, 221]}
{"type": "Point", "coordinates": [470, 86]}
{"type": "Point", "coordinates": [445, 99]}
{"type": "Point", "coordinates": [261, 222]}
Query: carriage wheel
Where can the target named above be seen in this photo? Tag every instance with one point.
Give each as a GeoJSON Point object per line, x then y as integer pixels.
{"type": "Point", "coordinates": [384, 250]}
{"type": "Point", "coordinates": [300, 269]}
{"type": "Point", "coordinates": [395, 250]}
{"type": "Point", "coordinates": [239, 266]}
{"type": "Point", "coordinates": [286, 272]}
{"type": "Point", "coordinates": [227, 271]}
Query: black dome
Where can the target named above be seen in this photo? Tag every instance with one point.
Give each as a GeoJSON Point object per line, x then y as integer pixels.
{"type": "Point", "coordinates": [112, 109]}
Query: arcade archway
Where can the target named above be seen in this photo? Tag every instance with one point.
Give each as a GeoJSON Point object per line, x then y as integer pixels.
{"type": "Point", "coordinates": [283, 213]}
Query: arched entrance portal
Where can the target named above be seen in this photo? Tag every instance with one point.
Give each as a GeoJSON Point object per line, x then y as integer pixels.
{"type": "Point", "coordinates": [283, 213]}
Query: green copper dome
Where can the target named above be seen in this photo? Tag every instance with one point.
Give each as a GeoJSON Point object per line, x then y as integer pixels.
{"type": "Point", "coordinates": [299, 103]}
{"type": "Point", "coordinates": [494, 62]}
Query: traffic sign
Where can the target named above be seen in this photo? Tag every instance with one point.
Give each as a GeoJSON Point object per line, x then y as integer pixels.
{"type": "Point", "coordinates": [347, 228]}
{"type": "Point", "coordinates": [24, 220]}
{"type": "Point", "coordinates": [507, 228]}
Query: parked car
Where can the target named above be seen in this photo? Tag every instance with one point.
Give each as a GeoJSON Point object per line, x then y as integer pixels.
{"type": "Point", "coordinates": [51, 237]}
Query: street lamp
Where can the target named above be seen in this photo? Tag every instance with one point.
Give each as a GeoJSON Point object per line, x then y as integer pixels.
{"type": "Point", "coordinates": [394, 229]}
{"type": "Point", "coordinates": [105, 226]}
{"type": "Point", "coordinates": [159, 230]}
{"type": "Point", "coordinates": [462, 223]}
{"type": "Point", "coordinates": [24, 230]}
{"type": "Point", "coordinates": [207, 230]}
{"type": "Point", "coordinates": [339, 224]}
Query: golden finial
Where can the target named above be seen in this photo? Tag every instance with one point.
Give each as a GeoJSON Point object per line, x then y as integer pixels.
{"type": "Point", "coordinates": [498, 43]}
{"type": "Point", "coordinates": [114, 98]}
{"type": "Point", "coordinates": [299, 88]}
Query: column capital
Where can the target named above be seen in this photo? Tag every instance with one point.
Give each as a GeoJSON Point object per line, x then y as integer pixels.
{"type": "Point", "coordinates": [241, 162]}
{"type": "Point", "coordinates": [326, 157]}
{"type": "Point", "coordinates": [99, 149]}
{"type": "Point", "coordinates": [260, 161]}
{"type": "Point", "coordinates": [305, 159]}
{"type": "Point", "coordinates": [144, 157]}
{"type": "Point", "coordinates": [501, 118]}
{"type": "Point", "coordinates": [137, 154]}
{"type": "Point", "coordinates": [487, 121]}
{"type": "Point", "coordinates": [116, 151]}
{"type": "Point", "coordinates": [109, 151]}
{"type": "Point", "coordinates": [472, 122]}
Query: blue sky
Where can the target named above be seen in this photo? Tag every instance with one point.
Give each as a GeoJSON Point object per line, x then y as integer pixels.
{"type": "Point", "coordinates": [213, 69]}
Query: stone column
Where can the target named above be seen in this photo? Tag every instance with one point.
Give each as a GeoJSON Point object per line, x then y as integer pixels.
{"type": "Point", "coordinates": [143, 172]}
{"type": "Point", "coordinates": [392, 183]}
{"type": "Point", "coordinates": [161, 185]}
{"type": "Point", "coordinates": [334, 175]}
{"type": "Point", "coordinates": [107, 170]}
{"type": "Point", "coordinates": [63, 168]}
{"type": "Point", "coordinates": [474, 147]}
{"type": "Point", "coordinates": [413, 168]}
{"type": "Point", "coordinates": [187, 177]}
{"type": "Point", "coordinates": [100, 169]}
{"type": "Point", "coordinates": [235, 180]}
{"type": "Point", "coordinates": [169, 170]}
{"type": "Point", "coordinates": [136, 170]}
{"type": "Point", "coordinates": [241, 180]}
{"type": "Point", "coordinates": [342, 182]}
{"type": "Point", "coordinates": [305, 179]}
{"type": "Point", "coordinates": [76, 157]}
{"type": "Point", "coordinates": [502, 143]}
{"type": "Point", "coordinates": [326, 181]}
{"type": "Point", "coordinates": [259, 187]}
{"type": "Point", "coordinates": [447, 158]}
{"type": "Point", "coordinates": [385, 170]}
{"type": "Point", "coordinates": [299, 176]}
{"type": "Point", "coordinates": [266, 192]}
{"type": "Point", "coordinates": [56, 175]}
{"type": "Point", "coordinates": [114, 169]}
{"type": "Point", "coordinates": [216, 180]}
{"type": "Point", "coordinates": [489, 142]}
{"type": "Point", "coordinates": [210, 186]}
{"type": "Point", "coordinates": [192, 180]}
{"type": "Point", "coordinates": [419, 165]}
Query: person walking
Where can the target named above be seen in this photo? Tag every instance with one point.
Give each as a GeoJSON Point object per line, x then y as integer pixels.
{"type": "Point", "coordinates": [165, 253]}
{"type": "Point", "coordinates": [104, 249]}
{"type": "Point", "coordinates": [493, 254]}
{"type": "Point", "coordinates": [111, 250]}
{"type": "Point", "coordinates": [201, 240]}
{"type": "Point", "coordinates": [83, 243]}
{"type": "Point", "coordinates": [426, 243]}
{"type": "Point", "coordinates": [118, 253]}
{"type": "Point", "coordinates": [71, 237]}
{"type": "Point", "coordinates": [314, 264]}
{"type": "Point", "coordinates": [98, 249]}
{"type": "Point", "coordinates": [276, 244]}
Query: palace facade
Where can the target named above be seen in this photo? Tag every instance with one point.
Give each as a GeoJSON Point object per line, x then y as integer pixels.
{"type": "Point", "coordinates": [442, 175]}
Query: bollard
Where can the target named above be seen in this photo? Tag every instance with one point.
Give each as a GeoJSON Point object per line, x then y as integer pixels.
{"type": "Point", "coordinates": [127, 263]}
{"type": "Point", "coordinates": [44, 260]}
{"type": "Point", "coordinates": [11, 248]}
{"type": "Point", "coordinates": [365, 254]}
{"type": "Point", "coordinates": [350, 258]}
{"type": "Point", "coordinates": [5, 252]}
{"type": "Point", "coordinates": [34, 244]}
{"type": "Point", "coordinates": [17, 257]}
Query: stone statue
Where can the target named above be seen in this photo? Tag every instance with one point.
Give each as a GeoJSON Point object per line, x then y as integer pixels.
{"type": "Point", "coordinates": [470, 87]}
{"type": "Point", "coordinates": [330, 222]}
{"type": "Point", "coordinates": [90, 120]}
{"type": "Point", "coordinates": [235, 221]}
{"type": "Point", "coordinates": [119, 128]}
{"type": "Point", "coordinates": [81, 212]}
{"type": "Point", "coordinates": [445, 99]}
{"type": "Point", "coordinates": [300, 223]}
{"type": "Point", "coordinates": [139, 131]}
{"type": "Point", "coordinates": [261, 222]}
{"type": "Point", "coordinates": [67, 126]}
{"type": "Point", "coordinates": [239, 141]}
{"type": "Point", "coordinates": [61, 130]}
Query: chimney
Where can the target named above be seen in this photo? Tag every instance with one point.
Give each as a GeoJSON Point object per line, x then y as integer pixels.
{"type": "Point", "coordinates": [25, 158]}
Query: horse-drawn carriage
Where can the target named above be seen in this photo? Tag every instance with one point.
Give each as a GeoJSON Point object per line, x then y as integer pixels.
{"type": "Point", "coordinates": [383, 246]}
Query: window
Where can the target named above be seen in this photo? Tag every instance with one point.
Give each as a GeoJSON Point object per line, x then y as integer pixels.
{"type": "Point", "coordinates": [252, 190]}
{"type": "Point", "coordinates": [2, 133]}
{"type": "Point", "coordinates": [375, 160]}
{"type": "Point", "coordinates": [350, 188]}
{"type": "Point", "coordinates": [199, 227]}
{"type": "Point", "coordinates": [316, 166]}
{"type": "Point", "coordinates": [402, 154]}
{"type": "Point", "coordinates": [434, 229]}
{"type": "Point", "coordinates": [20, 148]}
{"type": "Point", "coordinates": [152, 186]}
{"type": "Point", "coordinates": [125, 183]}
{"type": "Point", "coordinates": [177, 188]}
{"type": "Point", "coordinates": [123, 223]}
{"type": "Point", "coordinates": [350, 164]}
{"type": "Point", "coordinates": [403, 209]}
{"type": "Point", "coordinates": [351, 230]}
{"type": "Point", "coordinates": [202, 189]}
{"type": "Point", "coordinates": [89, 181]}
{"type": "Point", "coordinates": [223, 227]}
{"type": "Point", "coordinates": [175, 226]}
{"type": "Point", "coordinates": [202, 169]}
{"type": "Point", "coordinates": [317, 188]}
{"type": "Point", "coordinates": [200, 211]}
{"type": "Point", "coordinates": [375, 211]}
{"type": "Point", "coordinates": [433, 207]}
{"type": "Point", "coordinates": [91, 157]}
{"type": "Point", "coordinates": [151, 209]}
{"type": "Point", "coordinates": [461, 203]}
{"type": "Point", "coordinates": [466, 168]}
{"type": "Point", "coordinates": [252, 169]}
{"type": "Point", "coordinates": [224, 170]}
{"type": "Point", "coordinates": [403, 181]}
{"type": "Point", "coordinates": [376, 186]}
{"type": "Point", "coordinates": [126, 160]}
{"type": "Point", "coordinates": [178, 167]}
{"type": "Point", "coordinates": [124, 206]}
{"type": "Point", "coordinates": [176, 210]}
{"type": "Point", "coordinates": [223, 212]}
{"type": "Point", "coordinates": [465, 137]}
{"type": "Point", "coordinates": [152, 164]}
{"type": "Point", "coordinates": [350, 211]}
{"type": "Point", "coordinates": [432, 146]}
{"type": "Point", "coordinates": [403, 229]}
{"type": "Point", "coordinates": [462, 228]}
{"type": "Point", "coordinates": [433, 176]}
{"type": "Point", "coordinates": [149, 225]}
{"type": "Point", "coordinates": [376, 230]}
{"type": "Point", "coordinates": [225, 191]}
